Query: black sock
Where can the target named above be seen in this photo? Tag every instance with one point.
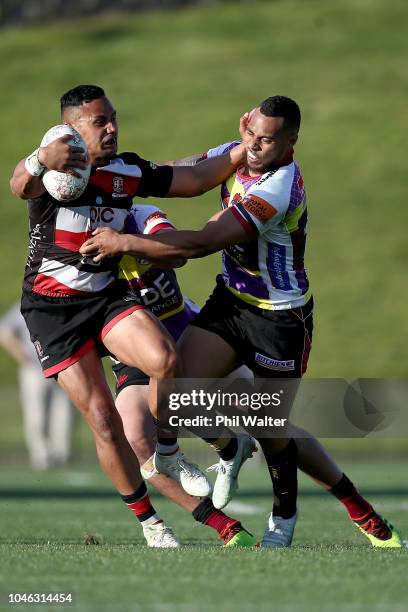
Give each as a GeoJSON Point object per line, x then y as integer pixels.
{"type": "Point", "coordinates": [203, 510]}
{"type": "Point", "coordinates": [228, 452]}
{"type": "Point", "coordinates": [282, 468]}
{"type": "Point", "coordinates": [164, 429]}
{"type": "Point", "coordinates": [139, 503]}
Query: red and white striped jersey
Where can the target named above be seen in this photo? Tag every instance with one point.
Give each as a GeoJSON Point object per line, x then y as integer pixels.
{"type": "Point", "coordinates": [55, 267]}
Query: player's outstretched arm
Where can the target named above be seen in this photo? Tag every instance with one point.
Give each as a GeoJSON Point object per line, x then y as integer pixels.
{"type": "Point", "coordinates": [195, 180]}
{"type": "Point", "coordinates": [26, 181]}
{"type": "Point", "coordinates": [221, 231]}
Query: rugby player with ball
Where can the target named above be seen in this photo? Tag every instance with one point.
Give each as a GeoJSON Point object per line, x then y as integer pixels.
{"type": "Point", "coordinates": [73, 306]}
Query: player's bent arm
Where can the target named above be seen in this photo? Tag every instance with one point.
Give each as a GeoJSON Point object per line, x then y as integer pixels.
{"type": "Point", "coordinates": [24, 185]}
{"type": "Point", "coordinates": [106, 242]}
{"type": "Point", "coordinates": [190, 160]}
{"type": "Point", "coordinates": [26, 181]}
{"type": "Point", "coordinates": [221, 231]}
{"type": "Point", "coordinates": [189, 181]}
{"type": "Point", "coordinates": [169, 263]}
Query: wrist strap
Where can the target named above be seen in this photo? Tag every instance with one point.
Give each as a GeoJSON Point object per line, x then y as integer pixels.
{"type": "Point", "coordinates": [33, 165]}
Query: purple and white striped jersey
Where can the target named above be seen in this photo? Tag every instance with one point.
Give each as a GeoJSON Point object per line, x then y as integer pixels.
{"type": "Point", "coordinates": [268, 271]}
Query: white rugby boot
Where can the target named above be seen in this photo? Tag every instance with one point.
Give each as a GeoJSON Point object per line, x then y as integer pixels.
{"type": "Point", "coordinates": [188, 474]}
{"type": "Point", "coordinates": [159, 535]}
{"type": "Point", "coordinates": [227, 471]}
{"type": "Point", "coordinates": [279, 532]}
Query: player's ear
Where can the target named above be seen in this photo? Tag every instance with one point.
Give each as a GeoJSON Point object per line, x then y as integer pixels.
{"type": "Point", "coordinates": [293, 138]}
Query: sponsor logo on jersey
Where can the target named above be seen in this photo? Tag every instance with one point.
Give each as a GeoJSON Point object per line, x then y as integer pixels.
{"type": "Point", "coordinates": [237, 198]}
{"type": "Point", "coordinates": [117, 183]}
{"type": "Point", "coordinates": [100, 215]}
{"type": "Point", "coordinates": [258, 208]}
{"type": "Point", "coordinates": [274, 364]}
{"type": "Point", "coordinates": [265, 177]}
{"type": "Point", "coordinates": [38, 348]}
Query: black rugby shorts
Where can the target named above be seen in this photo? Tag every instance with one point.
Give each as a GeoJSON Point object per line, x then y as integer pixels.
{"type": "Point", "coordinates": [64, 329]}
{"type": "Point", "coordinates": [272, 343]}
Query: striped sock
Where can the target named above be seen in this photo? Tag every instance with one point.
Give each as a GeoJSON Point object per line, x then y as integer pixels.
{"type": "Point", "coordinates": [357, 507]}
{"type": "Point", "coordinates": [139, 503]}
{"type": "Point", "coordinates": [206, 514]}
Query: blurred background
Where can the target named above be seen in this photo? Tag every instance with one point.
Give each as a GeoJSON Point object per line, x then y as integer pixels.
{"type": "Point", "coordinates": [180, 74]}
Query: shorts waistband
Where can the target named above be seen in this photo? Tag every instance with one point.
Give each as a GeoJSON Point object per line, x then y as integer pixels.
{"type": "Point", "coordinates": [301, 311]}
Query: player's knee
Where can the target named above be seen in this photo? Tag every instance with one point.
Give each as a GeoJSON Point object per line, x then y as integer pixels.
{"type": "Point", "coordinates": [163, 363]}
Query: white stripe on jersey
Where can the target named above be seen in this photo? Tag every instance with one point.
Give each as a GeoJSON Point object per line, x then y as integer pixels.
{"type": "Point", "coordinates": [273, 203]}
{"type": "Point", "coordinates": [118, 166]}
{"type": "Point", "coordinates": [79, 219]}
{"type": "Point", "coordinates": [73, 278]}
{"type": "Point", "coordinates": [147, 217]}
{"type": "Point", "coordinates": [73, 219]}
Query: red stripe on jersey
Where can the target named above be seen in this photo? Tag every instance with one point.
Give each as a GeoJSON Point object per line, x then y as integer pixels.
{"type": "Point", "coordinates": [72, 241]}
{"type": "Point", "coordinates": [249, 229]}
{"type": "Point", "coordinates": [159, 227]}
{"type": "Point", "coordinates": [63, 365]}
{"type": "Point", "coordinates": [118, 318]}
{"type": "Point", "coordinates": [47, 285]}
{"type": "Point", "coordinates": [105, 180]}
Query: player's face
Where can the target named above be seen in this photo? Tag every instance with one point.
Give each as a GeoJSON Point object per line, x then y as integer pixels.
{"type": "Point", "coordinates": [267, 142]}
{"type": "Point", "coordinates": [97, 124]}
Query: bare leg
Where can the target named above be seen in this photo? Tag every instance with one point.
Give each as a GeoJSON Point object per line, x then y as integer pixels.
{"type": "Point", "coordinates": [315, 461]}
{"type": "Point", "coordinates": [197, 348]}
{"type": "Point", "coordinates": [139, 428]}
{"type": "Point", "coordinates": [132, 405]}
{"type": "Point", "coordinates": [141, 341]}
{"type": "Point", "coordinates": [85, 383]}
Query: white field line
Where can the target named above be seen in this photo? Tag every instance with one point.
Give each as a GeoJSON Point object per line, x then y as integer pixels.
{"type": "Point", "coordinates": [244, 508]}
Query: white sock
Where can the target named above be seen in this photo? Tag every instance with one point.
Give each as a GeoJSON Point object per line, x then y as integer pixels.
{"type": "Point", "coordinates": [151, 520]}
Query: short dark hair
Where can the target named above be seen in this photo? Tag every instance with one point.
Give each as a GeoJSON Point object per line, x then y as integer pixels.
{"type": "Point", "coordinates": [80, 94]}
{"type": "Point", "coordinates": [281, 106]}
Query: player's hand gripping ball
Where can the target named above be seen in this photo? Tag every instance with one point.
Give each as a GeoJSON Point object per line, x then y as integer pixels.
{"type": "Point", "coordinates": [65, 186]}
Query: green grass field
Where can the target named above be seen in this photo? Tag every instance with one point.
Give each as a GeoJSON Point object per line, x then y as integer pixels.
{"type": "Point", "coordinates": [330, 567]}
{"type": "Point", "coordinates": [180, 79]}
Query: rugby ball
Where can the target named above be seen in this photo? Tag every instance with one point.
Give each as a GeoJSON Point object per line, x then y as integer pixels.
{"type": "Point", "coordinates": [64, 186]}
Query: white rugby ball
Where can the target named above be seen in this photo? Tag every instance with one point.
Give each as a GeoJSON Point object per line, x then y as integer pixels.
{"type": "Point", "coordinates": [64, 186]}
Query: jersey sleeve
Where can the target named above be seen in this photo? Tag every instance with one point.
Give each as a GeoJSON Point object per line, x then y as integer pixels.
{"type": "Point", "coordinates": [146, 219]}
{"type": "Point", "coordinates": [221, 149]}
{"type": "Point", "coordinates": [263, 206]}
{"type": "Point", "coordinates": [155, 180]}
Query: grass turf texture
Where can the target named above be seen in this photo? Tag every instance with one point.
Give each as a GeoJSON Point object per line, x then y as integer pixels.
{"type": "Point", "coordinates": [45, 518]}
{"type": "Point", "coordinates": [180, 80]}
